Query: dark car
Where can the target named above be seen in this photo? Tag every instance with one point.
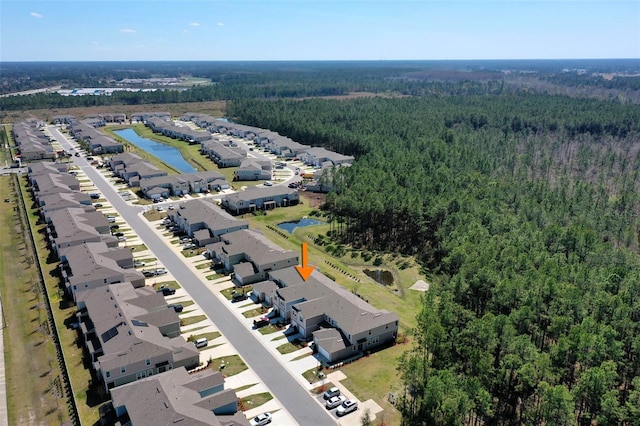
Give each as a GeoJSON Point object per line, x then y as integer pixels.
{"type": "Point", "coordinates": [166, 291]}
{"type": "Point", "coordinates": [237, 297]}
{"type": "Point", "coordinates": [148, 274]}
{"type": "Point", "coordinates": [177, 307]}
{"type": "Point", "coordinates": [118, 234]}
{"type": "Point", "coordinates": [263, 321]}
{"type": "Point", "coordinates": [94, 196]}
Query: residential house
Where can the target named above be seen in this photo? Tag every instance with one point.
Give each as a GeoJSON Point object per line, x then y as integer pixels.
{"type": "Point", "coordinates": [206, 181]}
{"type": "Point", "coordinates": [32, 144]}
{"type": "Point", "coordinates": [170, 129]}
{"type": "Point", "coordinates": [172, 185]}
{"type": "Point", "coordinates": [130, 333]}
{"type": "Point", "coordinates": [221, 155]}
{"type": "Point", "coordinates": [197, 215]}
{"type": "Point", "coordinates": [255, 198]}
{"type": "Point", "coordinates": [93, 264]}
{"type": "Point", "coordinates": [75, 226]}
{"type": "Point", "coordinates": [340, 324]}
{"type": "Point", "coordinates": [250, 255]}
{"type": "Point", "coordinates": [141, 117]}
{"type": "Point", "coordinates": [316, 156]}
{"type": "Point", "coordinates": [177, 397]}
{"type": "Point", "coordinates": [251, 169]}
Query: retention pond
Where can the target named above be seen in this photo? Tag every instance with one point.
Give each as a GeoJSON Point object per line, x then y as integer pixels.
{"type": "Point", "coordinates": [165, 153]}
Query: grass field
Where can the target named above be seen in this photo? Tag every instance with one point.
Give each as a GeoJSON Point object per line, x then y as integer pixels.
{"type": "Point", "coordinates": [33, 375]}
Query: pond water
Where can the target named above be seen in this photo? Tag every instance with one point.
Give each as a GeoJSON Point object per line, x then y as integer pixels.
{"type": "Point", "coordinates": [166, 153]}
{"type": "Point", "coordinates": [380, 276]}
{"type": "Point", "coordinates": [290, 226]}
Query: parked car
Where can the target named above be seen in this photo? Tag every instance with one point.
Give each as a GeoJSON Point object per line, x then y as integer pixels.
{"type": "Point", "coordinates": [177, 307]}
{"type": "Point", "coordinates": [263, 321]}
{"type": "Point", "coordinates": [347, 407]}
{"type": "Point", "coordinates": [236, 297]}
{"type": "Point", "coordinates": [167, 291]}
{"type": "Point", "coordinates": [97, 205]}
{"type": "Point", "coordinates": [160, 271]}
{"type": "Point", "coordinates": [122, 238]}
{"type": "Point", "coordinates": [148, 274]}
{"type": "Point", "coordinates": [201, 343]}
{"type": "Point", "coordinates": [170, 206]}
{"type": "Point", "coordinates": [160, 208]}
{"type": "Point", "coordinates": [261, 419]}
{"type": "Point", "coordinates": [94, 196]}
{"type": "Point", "coordinates": [111, 219]}
{"type": "Point", "coordinates": [268, 183]}
{"type": "Point", "coordinates": [334, 402]}
{"type": "Point", "coordinates": [138, 264]}
{"type": "Point", "coordinates": [334, 391]}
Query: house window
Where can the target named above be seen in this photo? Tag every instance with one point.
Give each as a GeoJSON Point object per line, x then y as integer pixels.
{"type": "Point", "coordinates": [123, 369]}
{"type": "Point", "coordinates": [108, 374]}
{"type": "Point", "coordinates": [148, 362]}
{"type": "Point", "coordinates": [354, 348]}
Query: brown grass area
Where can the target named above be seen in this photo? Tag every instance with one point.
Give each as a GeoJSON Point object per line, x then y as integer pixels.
{"type": "Point", "coordinates": [215, 108]}
{"type": "Point", "coordinates": [313, 199]}
{"type": "Point", "coordinates": [31, 368]}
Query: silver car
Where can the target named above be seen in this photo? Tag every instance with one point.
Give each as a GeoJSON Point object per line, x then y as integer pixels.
{"type": "Point", "coordinates": [334, 401]}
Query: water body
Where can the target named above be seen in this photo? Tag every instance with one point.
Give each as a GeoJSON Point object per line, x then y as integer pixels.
{"type": "Point", "coordinates": [166, 153]}
{"type": "Point", "coordinates": [380, 276]}
{"type": "Point", "coordinates": [290, 226]}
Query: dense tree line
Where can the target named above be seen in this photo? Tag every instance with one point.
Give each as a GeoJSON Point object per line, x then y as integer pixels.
{"type": "Point", "coordinates": [524, 209]}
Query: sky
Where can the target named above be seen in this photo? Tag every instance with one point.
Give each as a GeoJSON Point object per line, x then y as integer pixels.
{"type": "Point", "coordinates": [230, 30]}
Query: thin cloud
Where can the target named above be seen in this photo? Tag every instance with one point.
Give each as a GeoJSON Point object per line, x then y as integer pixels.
{"type": "Point", "coordinates": [127, 30]}
{"type": "Point", "coordinates": [194, 24]}
{"type": "Point", "coordinates": [220, 24]}
{"type": "Point", "coordinates": [36, 15]}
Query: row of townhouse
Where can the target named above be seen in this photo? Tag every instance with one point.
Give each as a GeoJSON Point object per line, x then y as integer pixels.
{"type": "Point", "coordinates": [260, 198]}
{"type": "Point", "coordinates": [253, 169]}
{"type": "Point", "coordinates": [133, 168]}
{"type": "Point", "coordinates": [172, 130]}
{"type": "Point", "coordinates": [142, 117]}
{"type": "Point", "coordinates": [204, 221]}
{"type": "Point", "coordinates": [220, 151]}
{"type": "Point", "coordinates": [223, 153]}
{"type": "Point", "coordinates": [93, 140]}
{"type": "Point", "coordinates": [249, 255]}
{"type": "Point", "coordinates": [32, 143]}
{"type": "Point", "coordinates": [130, 333]}
{"type": "Point", "coordinates": [186, 183]}
{"type": "Point", "coordinates": [156, 183]}
{"type": "Point", "coordinates": [340, 324]}
{"type": "Point", "coordinates": [131, 336]}
{"type": "Point", "coordinates": [177, 397]}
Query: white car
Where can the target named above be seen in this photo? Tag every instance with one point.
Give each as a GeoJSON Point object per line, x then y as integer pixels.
{"type": "Point", "coordinates": [261, 419]}
{"type": "Point", "coordinates": [334, 401]}
{"type": "Point", "coordinates": [138, 264]}
{"type": "Point", "coordinates": [347, 407]}
{"type": "Point", "coordinates": [268, 183]}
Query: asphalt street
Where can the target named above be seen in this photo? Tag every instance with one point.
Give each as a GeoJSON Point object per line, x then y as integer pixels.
{"type": "Point", "coordinates": [289, 391]}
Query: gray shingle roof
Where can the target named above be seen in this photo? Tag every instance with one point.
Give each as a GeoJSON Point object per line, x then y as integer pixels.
{"type": "Point", "coordinates": [173, 398]}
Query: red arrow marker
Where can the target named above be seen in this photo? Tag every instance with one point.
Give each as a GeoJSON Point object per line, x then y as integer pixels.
{"type": "Point", "coordinates": [305, 270]}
